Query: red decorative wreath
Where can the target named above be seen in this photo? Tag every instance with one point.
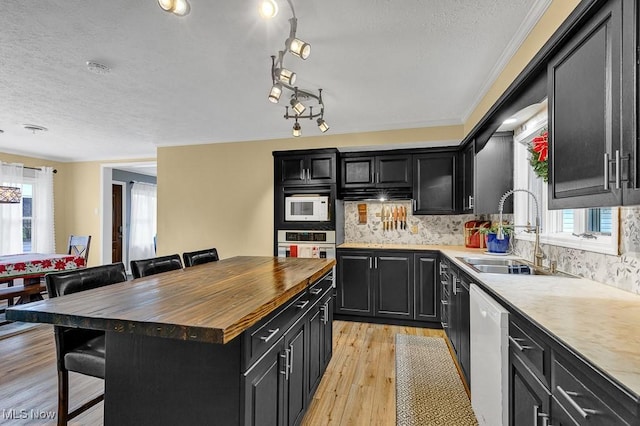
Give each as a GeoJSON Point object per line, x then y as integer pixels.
{"type": "Point", "coordinates": [539, 150]}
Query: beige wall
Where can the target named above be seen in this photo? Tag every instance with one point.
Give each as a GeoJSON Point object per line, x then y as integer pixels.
{"type": "Point", "coordinates": [222, 194]}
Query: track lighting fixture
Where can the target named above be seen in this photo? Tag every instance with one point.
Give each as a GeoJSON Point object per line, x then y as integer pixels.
{"type": "Point", "coordinates": [297, 131]}
{"type": "Point", "coordinates": [284, 79]}
{"type": "Point", "coordinates": [177, 7]}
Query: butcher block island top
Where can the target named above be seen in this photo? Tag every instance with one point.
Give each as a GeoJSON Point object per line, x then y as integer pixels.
{"type": "Point", "coordinates": [212, 302]}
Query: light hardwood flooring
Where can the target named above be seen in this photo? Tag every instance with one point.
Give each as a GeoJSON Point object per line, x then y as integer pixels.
{"type": "Point", "coordinates": [358, 387]}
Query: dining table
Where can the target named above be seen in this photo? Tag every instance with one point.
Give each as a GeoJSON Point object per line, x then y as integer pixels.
{"type": "Point", "coordinates": [31, 267]}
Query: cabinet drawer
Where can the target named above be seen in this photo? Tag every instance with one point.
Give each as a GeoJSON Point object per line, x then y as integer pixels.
{"type": "Point", "coordinates": [261, 336]}
{"type": "Point", "coordinates": [533, 352]}
{"type": "Point", "coordinates": [318, 290]}
{"type": "Point", "coordinates": [583, 402]}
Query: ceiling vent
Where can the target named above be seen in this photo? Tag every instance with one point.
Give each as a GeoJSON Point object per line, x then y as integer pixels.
{"type": "Point", "coordinates": [34, 128]}
{"type": "Point", "coordinates": [98, 68]}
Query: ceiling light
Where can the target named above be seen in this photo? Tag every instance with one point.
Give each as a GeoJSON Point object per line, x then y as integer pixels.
{"type": "Point", "coordinates": [268, 9]}
{"type": "Point", "coordinates": [286, 76]}
{"type": "Point", "coordinates": [284, 79]}
{"type": "Point", "coordinates": [509, 121]}
{"type": "Point", "coordinates": [298, 107]}
{"type": "Point", "coordinates": [274, 94]}
{"type": "Point", "coordinates": [322, 125]}
{"type": "Point", "coordinates": [34, 128]}
{"type": "Point", "coordinates": [177, 7]}
{"type": "Point", "coordinates": [299, 48]}
{"type": "Point", "coordinates": [297, 131]}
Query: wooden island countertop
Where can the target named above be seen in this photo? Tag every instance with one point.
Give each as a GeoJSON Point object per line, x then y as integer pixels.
{"type": "Point", "coordinates": [212, 303]}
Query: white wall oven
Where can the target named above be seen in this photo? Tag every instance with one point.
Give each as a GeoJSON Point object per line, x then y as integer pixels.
{"type": "Point", "coordinates": [309, 244]}
{"type": "Point", "coordinates": [306, 208]}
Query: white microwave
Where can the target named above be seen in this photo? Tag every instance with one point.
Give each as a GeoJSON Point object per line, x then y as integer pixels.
{"type": "Point", "coordinates": [306, 208]}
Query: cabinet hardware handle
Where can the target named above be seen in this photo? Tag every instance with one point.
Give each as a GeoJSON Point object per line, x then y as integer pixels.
{"type": "Point", "coordinates": [414, 205]}
{"type": "Point", "coordinates": [377, 180]}
{"type": "Point", "coordinates": [617, 169]}
{"type": "Point", "coordinates": [323, 313]}
{"type": "Point", "coordinates": [443, 268]}
{"type": "Point", "coordinates": [445, 325]}
{"type": "Point", "coordinates": [470, 201]}
{"type": "Point", "coordinates": [537, 414]}
{"type": "Point", "coordinates": [584, 412]}
{"type": "Point", "coordinates": [308, 174]}
{"type": "Point", "coordinates": [290, 359]}
{"type": "Point", "coordinates": [302, 304]}
{"type": "Point", "coordinates": [315, 291]}
{"type": "Point", "coordinates": [286, 367]}
{"type": "Point", "coordinates": [272, 332]}
{"type": "Point", "coordinates": [444, 302]}
{"type": "Point", "coordinates": [376, 262]}
{"type": "Point", "coordinates": [455, 285]}
{"type": "Point", "coordinates": [518, 346]}
{"type": "Point", "coordinates": [370, 263]}
{"type": "Point", "coordinates": [606, 171]}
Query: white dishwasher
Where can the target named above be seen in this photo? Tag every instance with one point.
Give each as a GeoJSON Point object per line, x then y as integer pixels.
{"type": "Point", "coordinates": [489, 324]}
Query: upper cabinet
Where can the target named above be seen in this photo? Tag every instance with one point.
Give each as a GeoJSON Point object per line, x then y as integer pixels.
{"type": "Point", "coordinates": [434, 186]}
{"type": "Point", "coordinates": [467, 160]}
{"type": "Point", "coordinates": [364, 175]}
{"type": "Point", "coordinates": [494, 174]}
{"type": "Point", "coordinates": [317, 167]}
{"type": "Point", "coordinates": [592, 136]}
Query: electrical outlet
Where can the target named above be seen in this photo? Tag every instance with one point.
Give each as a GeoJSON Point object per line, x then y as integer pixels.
{"type": "Point", "coordinates": [414, 229]}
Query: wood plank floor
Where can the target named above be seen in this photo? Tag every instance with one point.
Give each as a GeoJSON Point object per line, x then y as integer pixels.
{"type": "Point", "coordinates": [357, 389]}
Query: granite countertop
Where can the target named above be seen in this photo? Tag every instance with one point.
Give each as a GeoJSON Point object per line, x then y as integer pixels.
{"type": "Point", "coordinates": [213, 302]}
{"type": "Point", "coordinates": [598, 321]}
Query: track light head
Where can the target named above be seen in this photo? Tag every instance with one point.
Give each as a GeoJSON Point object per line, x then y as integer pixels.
{"type": "Point", "coordinates": [322, 125]}
{"type": "Point", "coordinates": [286, 76]}
{"type": "Point", "coordinates": [177, 7]}
{"type": "Point", "coordinates": [298, 107]}
{"type": "Point", "coordinates": [268, 9]}
{"type": "Point", "coordinates": [297, 131]}
{"type": "Point", "coordinates": [299, 48]}
{"type": "Point", "coordinates": [274, 94]}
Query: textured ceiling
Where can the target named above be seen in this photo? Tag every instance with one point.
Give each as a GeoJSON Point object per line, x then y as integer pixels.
{"type": "Point", "coordinates": [204, 78]}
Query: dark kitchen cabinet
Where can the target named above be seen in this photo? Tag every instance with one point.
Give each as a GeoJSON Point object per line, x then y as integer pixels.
{"type": "Point", "coordinates": [467, 159]}
{"type": "Point", "coordinates": [355, 285]}
{"type": "Point", "coordinates": [264, 389]}
{"type": "Point", "coordinates": [588, 158]}
{"type": "Point", "coordinates": [393, 272]}
{"type": "Point", "coordinates": [434, 183]}
{"type": "Point", "coordinates": [395, 284]}
{"type": "Point", "coordinates": [295, 366]}
{"type": "Point", "coordinates": [529, 399]}
{"type": "Point", "coordinates": [320, 340]}
{"type": "Point", "coordinates": [494, 174]}
{"type": "Point", "coordinates": [426, 287]}
{"type": "Point", "coordinates": [458, 329]}
{"type": "Point", "coordinates": [308, 167]}
{"type": "Point", "coordinates": [376, 171]}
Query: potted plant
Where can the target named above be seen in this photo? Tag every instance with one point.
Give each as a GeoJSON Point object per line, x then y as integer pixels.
{"type": "Point", "coordinates": [495, 244]}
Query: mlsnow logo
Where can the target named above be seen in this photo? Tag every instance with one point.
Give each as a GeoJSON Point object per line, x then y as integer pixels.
{"type": "Point", "coordinates": [13, 414]}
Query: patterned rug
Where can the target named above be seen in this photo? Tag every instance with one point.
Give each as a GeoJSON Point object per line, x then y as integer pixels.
{"type": "Point", "coordinates": [429, 390]}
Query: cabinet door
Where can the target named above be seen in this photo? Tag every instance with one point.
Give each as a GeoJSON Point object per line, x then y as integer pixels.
{"type": "Point", "coordinates": [584, 113]}
{"type": "Point", "coordinates": [291, 170]}
{"type": "Point", "coordinates": [426, 285]}
{"type": "Point", "coordinates": [316, 340]}
{"type": "Point", "coordinates": [295, 396]}
{"type": "Point", "coordinates": [434, 188]}
{"type": "Point", "coordinates": [321, 169]}
{"type": "Point", "coordinates": [494, 174]}
{"type": "Point", "coordinates": [264, 388]}
{"type": "Point", "coordinates": [393, 171]}
{"type": "Point", "coordinates": [528, 399]}
{"type": "Point", "coordinates": [354, 283]}
{"type": "Point", "coordinates": [358, 172]}
{"type": "Point", "coordinates": [453, 331]}
{"type": "Point", "coordinates": [394, 285]}
{"type": "Point", "coordinates": [464, 335]}
{"type": "Point", "coordinates": [327, 331]}
{"type": "Point", "coordinates": [468, 179]}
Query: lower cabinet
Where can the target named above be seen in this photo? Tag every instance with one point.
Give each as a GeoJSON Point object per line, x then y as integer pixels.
{"type": "Point", "coordinates": [458, 327]}
{"type": "Point", "coordinates": [529, 399]}
{"type": "Point", "coordinates": [280, 384]}
{"type": "Point", "coordinates": [387, 284]}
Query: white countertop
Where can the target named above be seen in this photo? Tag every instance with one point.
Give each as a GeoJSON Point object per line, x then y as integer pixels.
{"type": "Point", "coordinates": [600, 322]}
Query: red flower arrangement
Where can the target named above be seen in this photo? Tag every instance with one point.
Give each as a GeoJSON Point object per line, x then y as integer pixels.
{"type": "Point", "coordinates": [539, 150]}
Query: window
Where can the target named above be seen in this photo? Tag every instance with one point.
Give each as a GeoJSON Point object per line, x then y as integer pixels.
{"type": "Point", "coordinates": [27, 217]}
{"type": "Point", "coordinates": [594, 229]}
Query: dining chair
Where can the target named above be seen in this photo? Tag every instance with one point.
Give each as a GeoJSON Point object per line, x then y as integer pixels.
{"type": "Point", "coordinates": [198, 257]}
{"type": "Point", "coordinates": [77, 349]}
{"type": "Point", "coordinates": [155, 265]}
{"type": "Point", "coordinates": [79, 246]}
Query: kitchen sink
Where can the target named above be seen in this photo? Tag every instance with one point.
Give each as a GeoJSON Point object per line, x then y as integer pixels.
{"type": "Point", "coordinates": [507, 266]}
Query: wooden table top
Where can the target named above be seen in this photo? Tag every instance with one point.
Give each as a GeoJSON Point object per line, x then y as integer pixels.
{"type": "Point", "coordinates": [213, 302]}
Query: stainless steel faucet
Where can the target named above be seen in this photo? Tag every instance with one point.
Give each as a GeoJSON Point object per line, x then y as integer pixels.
{"type": "Point", "coordinates": [538, 254]}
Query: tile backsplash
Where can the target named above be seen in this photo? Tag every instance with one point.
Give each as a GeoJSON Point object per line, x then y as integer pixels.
{"type": "Point", "coordinates": [618, 271]}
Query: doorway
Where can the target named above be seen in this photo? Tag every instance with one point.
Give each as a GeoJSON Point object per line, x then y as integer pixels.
{"type": "Point", "coordinates": [117, 226]}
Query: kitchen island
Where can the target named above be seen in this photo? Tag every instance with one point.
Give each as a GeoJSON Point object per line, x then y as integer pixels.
{"type": "Point", "coordinates": [182, 346]}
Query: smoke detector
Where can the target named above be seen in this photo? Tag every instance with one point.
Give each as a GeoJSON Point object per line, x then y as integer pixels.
{"type": "Point", "coordinates": [34, 128]}
{"type": "Point", "coordinates": [98, 68]}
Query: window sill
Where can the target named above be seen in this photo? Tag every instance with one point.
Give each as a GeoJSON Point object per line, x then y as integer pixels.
{"type": "Point", "coordinates": [604, 245]}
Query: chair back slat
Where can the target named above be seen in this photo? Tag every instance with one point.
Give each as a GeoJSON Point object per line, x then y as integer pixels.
{"type": "Point", "coordinates": [79, 246]}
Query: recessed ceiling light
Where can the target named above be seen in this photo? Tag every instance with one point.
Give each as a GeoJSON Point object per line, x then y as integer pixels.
{"type": "Point", "coordinates": [97, 67]}
{"type": "Point", "coordinates": [34, 128]}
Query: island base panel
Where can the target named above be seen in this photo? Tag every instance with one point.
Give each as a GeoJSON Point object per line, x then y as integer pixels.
{"type": "Point", "coordinates": [153, 380]}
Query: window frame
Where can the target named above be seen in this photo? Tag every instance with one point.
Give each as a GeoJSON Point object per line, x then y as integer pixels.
{"type": "Point", "coordinates": [551, 220]}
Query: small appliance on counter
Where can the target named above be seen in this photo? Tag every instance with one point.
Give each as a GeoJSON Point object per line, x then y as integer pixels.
{"type": "Point", "coordinates": [473, 238]}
